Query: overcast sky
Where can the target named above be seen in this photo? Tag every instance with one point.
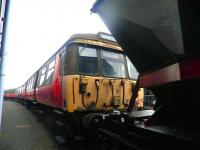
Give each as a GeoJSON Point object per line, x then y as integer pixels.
{"type": "Point", "coordinates": [37, 28]}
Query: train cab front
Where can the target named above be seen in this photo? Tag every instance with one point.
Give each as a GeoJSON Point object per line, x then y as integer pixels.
{"type": "Point", "coordinates": [97, 75]}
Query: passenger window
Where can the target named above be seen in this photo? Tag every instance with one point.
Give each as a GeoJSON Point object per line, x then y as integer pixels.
{"type": "Point", "coordinates": [33, 82]}
{"type": "Point", "coordinates": [43, 70]}
{"type": "Point", "coordinates": [29, 85]}
{"type": "Point", "coordinates": [51, 65]}
{"type": "Point", "coordinates": [50, 76]}
{"type": "Point", "coordinates": [42, 79]}
{"type": "Point", "coordinates": [50, 72]}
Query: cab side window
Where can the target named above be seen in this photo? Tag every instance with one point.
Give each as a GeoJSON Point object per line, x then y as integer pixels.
{"type": "Point", "coordinates": [63, 63]}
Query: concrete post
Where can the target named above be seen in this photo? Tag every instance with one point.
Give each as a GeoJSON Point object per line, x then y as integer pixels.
{"type": "Point", "coordinates": [4, 17]}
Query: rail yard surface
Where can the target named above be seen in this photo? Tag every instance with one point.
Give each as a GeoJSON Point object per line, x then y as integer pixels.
{"type": "Point", "coordinates": [21, 130]}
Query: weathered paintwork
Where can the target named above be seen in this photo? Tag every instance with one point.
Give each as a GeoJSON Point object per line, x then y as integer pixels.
{"type": "Point", "coordinates": [74, 99]}
{"type": "Point", "coordinates": [74, 92]}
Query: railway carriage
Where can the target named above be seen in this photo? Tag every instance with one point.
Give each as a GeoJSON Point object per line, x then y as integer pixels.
{"type": "Point", "coordinates": [10, 94]}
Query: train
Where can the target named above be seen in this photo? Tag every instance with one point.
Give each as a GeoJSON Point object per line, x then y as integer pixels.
{"type": "Point", "coordinates": [89, 72]}
{"type": "Point", "coordinates": [10, 94]}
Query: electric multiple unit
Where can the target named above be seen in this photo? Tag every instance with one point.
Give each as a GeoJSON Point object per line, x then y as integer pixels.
{"type": "Point", "coordinates": [10, 94]}
{"type": "Point", "coordinates": [89, 72]}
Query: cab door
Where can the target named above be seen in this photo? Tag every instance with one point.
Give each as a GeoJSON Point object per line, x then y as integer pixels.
{"type": "Point", "coordinates": [62, 67]}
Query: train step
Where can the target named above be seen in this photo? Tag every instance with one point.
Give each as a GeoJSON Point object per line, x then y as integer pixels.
{"type": "Point", "coordinates": [60, 124]}
{"type": "Point", "coordinates": [58, 112]}
{"type": "Point", "coordinates": [34, 102]}
{"type": "Point", "coordinates": [60, 139]}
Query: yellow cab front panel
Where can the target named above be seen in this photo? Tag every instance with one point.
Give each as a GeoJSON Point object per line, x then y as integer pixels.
{"type": "Point", "coordinates": [89, 93]}
{"type": "Point", "coordinates": [97, 75]}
